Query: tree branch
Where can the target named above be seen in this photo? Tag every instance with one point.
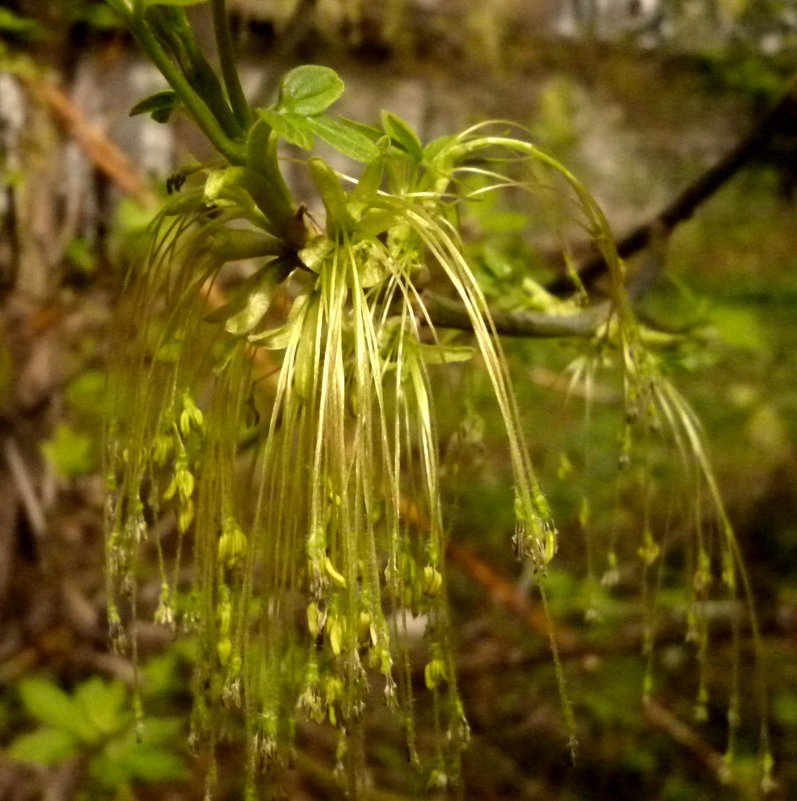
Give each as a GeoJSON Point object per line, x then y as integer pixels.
{"type": "Point", "coordinates": [447, 313]}
{"type": "Point", "coordinates": [782, 115]}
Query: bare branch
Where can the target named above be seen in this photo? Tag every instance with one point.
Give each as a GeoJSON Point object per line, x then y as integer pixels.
{"type": "Point", "coordinates": [447, 313]}
{"type": "Point", "coordinates": [782, 115]}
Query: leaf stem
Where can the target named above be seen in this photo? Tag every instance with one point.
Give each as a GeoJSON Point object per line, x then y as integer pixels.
{"type": "Point", "coordinates": [229, 71]}
{"type": "Point", "coordinates": [233, 151]}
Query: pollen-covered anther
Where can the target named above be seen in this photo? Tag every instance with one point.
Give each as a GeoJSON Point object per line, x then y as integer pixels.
{"type": "Point", "coordinates": [232, 545]}
{"type": "Point", "coordinates": [332, 573]}
{"type": "Point", "coordinates": [432, 581]}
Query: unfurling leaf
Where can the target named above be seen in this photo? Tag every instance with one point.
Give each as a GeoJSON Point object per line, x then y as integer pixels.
{"type": "Point", "coordinates": [402, 135]}
{"type": "Point", "coordinates": [292, 127]}
{"type": "Point", "coordinates": [251, 300]}
{"type": "Point", "coordinates": [356, 141]}
{"type": "Point", "coordinates": [159, 106]}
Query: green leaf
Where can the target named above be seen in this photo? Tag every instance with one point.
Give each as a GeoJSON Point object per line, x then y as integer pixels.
{"type": "Point", "coordinates": [436, 147]}
{"type": "Point", "coordinates": [368, 186]}
{"type": "Point", "coordinates": [376, 222]}
{"type": "Point", "coordinates": [309, 89]}
{"type": "Point", "coordinates": [273, 338]}
{"type": "Point", "coordinates": [316, 250]}
{"type": "Point", "coordinates": [220, 181]}
{"type": "Point", "coordinates": [88, 393]}
{"type": "Point", "coordinates": [290, 126]}
{"type": "Point", "coordinates": [332, 194]}
{"type": "Point", "coordinates": [373, 269]}
{"type": "Point", "coordinates": [159, 106]}
{"type": "Point", "coordinates": [402, 135]}
{"type": "Point", "coordinates": [169, 351]}
{"type": "Point", "coordinates": [45, 746]}
{"type": "Point", "coordinates": [251, 300]}
{"type": "Point", "coordinates": [739, 327]}
{"type": "Point", "coordinates": [278, 338]}
{"type": "Point", "coordinates": [348, 137]}
{"type": "Point", "coordinates": [52, 706]}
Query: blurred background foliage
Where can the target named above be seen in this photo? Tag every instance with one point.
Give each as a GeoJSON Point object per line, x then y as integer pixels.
{"type": "Point", "coordinates": [638, 98]}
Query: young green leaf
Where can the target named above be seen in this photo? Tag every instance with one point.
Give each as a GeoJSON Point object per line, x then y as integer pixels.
{"type": "Point", "coordinates": [402, 135]}
{"type": "Point", "coordinates": [159, 106]}
{"type": "Point", "coordinates": [434, 148]}
{"type": "Point", "coordinates": [349, 138]}
{"type": "Point", "coordinates": [371, 263]}
{"type": "Point", "coordinates": [251, 300]}
{"type": "Point", "coordinates": [290, 126]}
{"type": "Point", "coordinates": [316, 250]}
{"type": "Point", "coordinates": [368, 186]}
{"type": "Point", "coordinates": [218, 181]}
{"type": "Point", "coordinates": [306, 362]}
{"type": "Point", "coordinates": [332, 194]}
{"type": "Point", "coordinates": [154, 764]}
{"type": "Point", "coordinates": [309, 89]}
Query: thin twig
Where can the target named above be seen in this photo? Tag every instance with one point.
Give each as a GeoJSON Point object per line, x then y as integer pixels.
{"type": "Point", "coordinates": [447, 313]}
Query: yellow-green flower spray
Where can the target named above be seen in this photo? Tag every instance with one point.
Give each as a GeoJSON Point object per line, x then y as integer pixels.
{"type": "Point", "coordinates": [288, 429]}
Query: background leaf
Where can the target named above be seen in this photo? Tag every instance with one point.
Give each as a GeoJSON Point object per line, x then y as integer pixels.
{"type": "Point", "coordinates": [70, 452]}
{"type": "Point", "coordinates": [45, 746]}
{"type": "Point", "coordinates": [51, 705]}
{"type": "Point", "coordinates": [102, 704]}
